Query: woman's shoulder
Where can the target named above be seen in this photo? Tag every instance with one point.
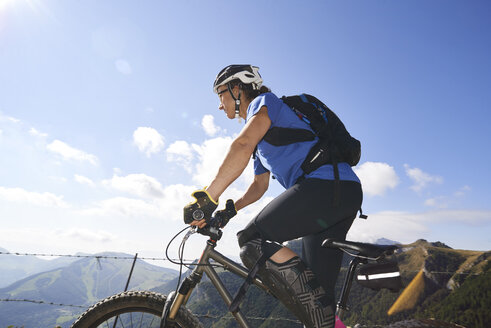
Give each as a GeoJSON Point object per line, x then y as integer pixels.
{"type": "Point", "coordinates": [266, 98]}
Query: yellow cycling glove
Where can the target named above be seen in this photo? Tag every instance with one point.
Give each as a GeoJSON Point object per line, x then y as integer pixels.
{"type": "Point", "coordinates": [202, 208]}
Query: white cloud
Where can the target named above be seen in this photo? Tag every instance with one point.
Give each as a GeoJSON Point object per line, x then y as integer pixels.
{"type": "Point", "coordinates": [437, 202]}
{"type": "Point", "coordinates": [421, 179]}
{"type": "Point", "coordinates": [63, 240]}
{"type": "Point", "coordinates": [205, 159]}
{"type": "Point", "coordinates": [398, 226]}
{"type": "Point", "coordinates": [464, 190]}
{"type": "Point", "coordinates": [9, 118]}
{"type": "Point", "coordinates": [166, 207]}
{"type": "Point", "coordinates": [208, 124]}
{"type": "Point", "coordinates": [36, 133]}
{"type": "Point", "coordinates": [376, 178]}
{"type": "Point", "coordinates": [148, 140]}
{"type": "Point", "coordinates": [20, 195]}
{"type": "Point", "coordinates": [211, 155]}
{"type": "Point", "coordinates": [447, 201]}
{"type": "Point", "coordinates": [86, 235]}
{"type": "Point", "coordinates": [136, 184]}
{"type": "Point", "coordinates": [57, 179]}
{"type": "Point", "coordinates": [173, 201]}
{"type": "Point", "coordinates": [182, 153]}
{"type": "Point", "coordinates": [84, 180]}
{"type": "Point", "coordinates": [461, 216]}
{"type": "Point", "coordinates": [407, 227]}
{"type": "Point", "coordinates": [123, 66]}
{"type": "Point", "coordinates": [123, 206]}
{"type": "Point", "coordinates": [69, 153]}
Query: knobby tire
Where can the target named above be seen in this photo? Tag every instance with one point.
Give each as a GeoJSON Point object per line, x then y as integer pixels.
{"type": "Point", "coordinates": [134, 309]}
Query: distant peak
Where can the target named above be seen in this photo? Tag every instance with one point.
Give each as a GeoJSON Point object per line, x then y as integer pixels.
{"type": "Point", "coordinates": [440, 244]}
{"type": "Point", "coordinates": [425, 243]}
{"type": "Point", "coordinates": [385, 241]}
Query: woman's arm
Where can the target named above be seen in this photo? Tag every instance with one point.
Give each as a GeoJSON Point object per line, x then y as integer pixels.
{"type": "Point", "coordinates": [255, 191]}
{"type": "Point", "coordinates": [240, 153]}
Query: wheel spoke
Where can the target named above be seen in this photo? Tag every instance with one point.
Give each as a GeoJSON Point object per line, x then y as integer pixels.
{"type": "Point", "coordinates": [152, 321]}
{"type": "Point", "coordinates": [132, 309]}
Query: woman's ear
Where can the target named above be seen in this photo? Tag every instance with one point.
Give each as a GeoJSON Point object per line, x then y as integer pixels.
{"type": "Point", "coordinates": [236, 90]}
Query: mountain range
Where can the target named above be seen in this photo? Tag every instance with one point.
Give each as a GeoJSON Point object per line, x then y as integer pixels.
{"type": "Point", "coordinates": [16, 267]}
{"type": "Point", "coordinates": [451, 286]}
{"type": "Point", "coordinates": [76, 285]}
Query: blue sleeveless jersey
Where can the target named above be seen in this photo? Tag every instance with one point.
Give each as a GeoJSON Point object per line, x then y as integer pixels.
{"type": "Point", "coordinates": [284, 162]}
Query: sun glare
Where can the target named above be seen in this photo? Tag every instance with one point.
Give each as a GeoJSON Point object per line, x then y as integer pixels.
{"type": "Point", "coordinates": [5, 3]}
{"type": "Point", "coordinates": [32, 4]}
{"type": "Point", "coordinates": [19, 6]}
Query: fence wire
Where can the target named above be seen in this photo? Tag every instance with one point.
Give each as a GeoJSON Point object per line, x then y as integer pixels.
{"type": "Point", "coordinates": [113, 257]}
{"type": "Point", "coordinates": [98, 257]}
{"type": "Point", "coordinates": [204, 316]}
{"type": "Point", "coordinates": [41, 302]}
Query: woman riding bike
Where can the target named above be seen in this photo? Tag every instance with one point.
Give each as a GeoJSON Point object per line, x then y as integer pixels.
{"type": "Point", "coordinates": [305, 210]}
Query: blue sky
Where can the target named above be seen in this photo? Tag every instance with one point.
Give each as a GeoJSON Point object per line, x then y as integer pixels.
{"type": "Point", "coordinates": [108, 120]}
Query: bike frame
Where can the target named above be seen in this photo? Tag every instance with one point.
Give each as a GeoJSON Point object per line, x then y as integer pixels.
{"type": "Point", "coordinates": [205, 266]}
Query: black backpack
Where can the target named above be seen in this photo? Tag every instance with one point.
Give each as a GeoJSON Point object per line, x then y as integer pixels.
{"type": "Point", "coordinates": [335, 144]}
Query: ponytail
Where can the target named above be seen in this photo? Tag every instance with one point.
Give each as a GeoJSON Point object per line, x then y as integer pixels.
{"type": "Point", "coordinates": [247, 89]}
{"type": "Point", "coordinates": [251, 93]}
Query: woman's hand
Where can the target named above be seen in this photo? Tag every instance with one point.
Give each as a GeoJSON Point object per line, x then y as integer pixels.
{"type": "Point", "coordinates": [200, 224]}
{"type": "Point", "coordinates": [201, 209]}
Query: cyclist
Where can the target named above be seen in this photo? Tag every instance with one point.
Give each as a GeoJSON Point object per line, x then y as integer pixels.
{"type": "Point", "coordinates": [305, 210]}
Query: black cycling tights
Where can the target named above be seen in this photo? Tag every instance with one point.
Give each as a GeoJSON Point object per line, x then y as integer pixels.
{"type": "Point", "coordinates": [306, 210]}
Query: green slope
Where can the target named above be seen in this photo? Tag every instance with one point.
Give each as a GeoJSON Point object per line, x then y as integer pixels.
{"type": "Point", "coordinates": [444, 268]}
{"type": "Point", "coordinates": [455, 287]}
{"type": "Point", "coordinates": [16, 267]}
{"type": "Point", "coordinates": [81, 283]}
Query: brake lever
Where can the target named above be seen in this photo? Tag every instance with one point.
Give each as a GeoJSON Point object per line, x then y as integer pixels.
{"type": "Point", "coordinates": [210, 231]}
{"type": "Point", "coordinates": [189, 233]}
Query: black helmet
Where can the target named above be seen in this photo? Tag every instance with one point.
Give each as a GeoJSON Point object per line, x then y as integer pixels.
{"type": "Point", "coordinates": [247, 74]}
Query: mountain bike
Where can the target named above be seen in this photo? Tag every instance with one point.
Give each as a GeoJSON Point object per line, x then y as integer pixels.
{"type": "Point", "coordinates": [151, 309]}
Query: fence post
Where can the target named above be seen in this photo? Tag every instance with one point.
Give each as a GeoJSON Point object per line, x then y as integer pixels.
{"type": "Point", "coordinates": [131, 272]}
{"type": "Point", "coordinates": [127, 284]}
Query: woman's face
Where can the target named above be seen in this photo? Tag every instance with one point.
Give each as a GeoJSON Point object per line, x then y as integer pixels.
{"type": "Point", "coordinates": [227, 103]}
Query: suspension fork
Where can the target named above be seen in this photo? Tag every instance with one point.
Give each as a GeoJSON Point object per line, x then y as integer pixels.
{"type": "Point", "coordinates": [189, 283]}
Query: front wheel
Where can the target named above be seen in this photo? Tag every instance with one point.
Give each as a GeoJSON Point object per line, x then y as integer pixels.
{"type": "Point", "coordinates": [133, 309]}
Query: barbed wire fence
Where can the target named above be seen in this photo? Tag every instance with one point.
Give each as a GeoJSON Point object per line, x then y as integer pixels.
{"type": "Point", "coordinates": [204, 316]}
{"type": "Point", "coordinates": [41, 302]}
{"type": "Point", "coordinates": [225, 315]}
{"type": "Point", "coordinates": [88, 256]}
{"type": "Point", "coordinates": [134, 258]}
{"type": "Point", "coordinates": [116, 257]}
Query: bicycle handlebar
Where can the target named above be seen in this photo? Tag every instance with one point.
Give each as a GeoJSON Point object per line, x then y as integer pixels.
{"type": "Point", "coordinates": [213, 232]}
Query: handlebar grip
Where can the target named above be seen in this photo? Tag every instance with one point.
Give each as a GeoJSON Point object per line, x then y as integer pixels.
{"type": "Point", "coordinates": [212, 232]}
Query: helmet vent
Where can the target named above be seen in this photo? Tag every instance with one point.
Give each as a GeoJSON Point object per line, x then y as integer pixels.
{"type": "Point", "coordinates": [247, 74]}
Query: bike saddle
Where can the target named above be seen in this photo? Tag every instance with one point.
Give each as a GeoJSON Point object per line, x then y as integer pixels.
{"type": "Point", "coordinates": [371, 251]}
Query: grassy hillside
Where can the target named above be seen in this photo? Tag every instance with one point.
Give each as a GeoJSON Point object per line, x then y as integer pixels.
{"type": "Point", "coordinates": [468, 305]}
{"type": "Point", "coordinates": [15, 267]}
{"type": "Point", "coordinates": [447, 275]}
{"type": "Point", "coordinates": [453, 287]}
{"type": "Point", "coordinates": [81, 283]}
